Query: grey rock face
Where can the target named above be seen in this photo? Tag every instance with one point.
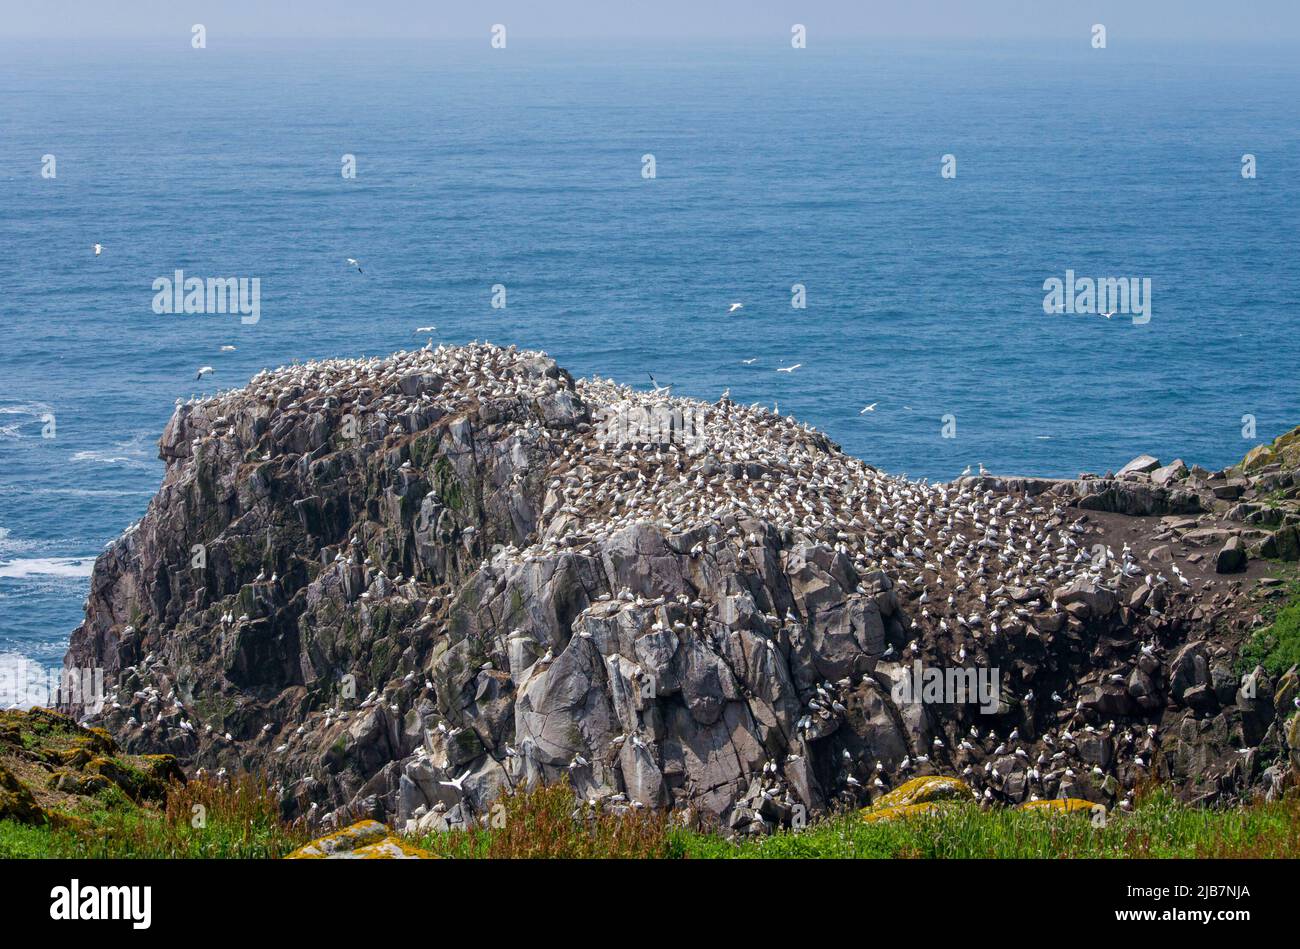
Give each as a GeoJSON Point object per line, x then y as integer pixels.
{"type": "Point", "coordinates": [430, 579]}
{"type": "Point", "coordinates": [1142, 464]}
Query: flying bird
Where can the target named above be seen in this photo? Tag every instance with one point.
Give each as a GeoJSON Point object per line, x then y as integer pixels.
{"type": "Point", "coordinates": [750, 362]}
{"type": "Point", "coordinates": [425, 329]}
{"type": "Point", "coordinates": [735, 306]}
{"type": "Point", "coordinates": [205, 370]}
{"type": "Point", "coordinates": [869, 408]}
{"type": "Point", "coordinates": [789, 368]}
{"type": "Point", "coordinates": [355, 263]}
{"type": "Point", "coordinates": [98, 249]}
{"type": "Point", "coordinates": [227, 349]}
{"type": "Point", "coordinates": [457, 783]}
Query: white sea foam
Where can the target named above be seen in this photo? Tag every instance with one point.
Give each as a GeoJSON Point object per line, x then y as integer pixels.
{"type": "Point", "coordinates": [92, 492]}
{"type": "Point", "coordinates": [7, 544]}
{"type": "Point", "coordinates": [132, 453]}
{"type": "Point", "coordinates": [23, 568]}
{"type": "Point", "coordinates": [25, 408]}
{"type": "Point", "coordinates": [103, 457]}
{"type": "Point", "coordinates": [27, 413]}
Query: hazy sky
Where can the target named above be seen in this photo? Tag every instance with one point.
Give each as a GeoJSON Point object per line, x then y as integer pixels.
{"type": "Point", "coordinates": [1175, 20]}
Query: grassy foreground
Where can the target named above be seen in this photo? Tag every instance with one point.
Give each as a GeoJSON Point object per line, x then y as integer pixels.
{"type": "Point", "coordinates": [239, 820]}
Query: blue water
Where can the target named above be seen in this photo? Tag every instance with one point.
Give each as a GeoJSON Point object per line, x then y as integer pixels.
{"type": "Point", "coordinates": [523, 167]}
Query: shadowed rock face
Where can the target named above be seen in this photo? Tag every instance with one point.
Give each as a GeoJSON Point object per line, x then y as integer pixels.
{"type": "Point", "coordinates": [397, 587]}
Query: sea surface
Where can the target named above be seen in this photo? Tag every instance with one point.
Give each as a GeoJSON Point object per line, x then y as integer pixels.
{"type": "Point", "coordinates": [523, 167]}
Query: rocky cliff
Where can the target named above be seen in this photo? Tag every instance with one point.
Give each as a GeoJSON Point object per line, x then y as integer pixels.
{"type": "Point", "coordinates": [398, 586]}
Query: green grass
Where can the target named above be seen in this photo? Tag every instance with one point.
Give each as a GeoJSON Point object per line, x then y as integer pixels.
{"type": "Point", "coordinates": [1159, 827]}
{"type": "Point", "coordinates": [24, 842]}
{"type": "Point", "coordinates": [242, 822]}
{"type": "Point", "coordinates": [239, 820]}
{"type": "Point", "coordinates": [538, 824]}
{"type": "Point", "coordinates": [1276, 647]}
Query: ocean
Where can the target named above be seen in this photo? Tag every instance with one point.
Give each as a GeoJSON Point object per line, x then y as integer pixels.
{"type": "Point", "coordinates": [524, 168]}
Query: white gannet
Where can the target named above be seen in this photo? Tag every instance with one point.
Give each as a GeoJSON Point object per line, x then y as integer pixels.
{"type": "Point", "coordinates": [457, 783]}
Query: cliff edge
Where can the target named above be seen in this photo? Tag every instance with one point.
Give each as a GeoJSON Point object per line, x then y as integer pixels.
{"type": "Point", "coordinates": [398, 586]}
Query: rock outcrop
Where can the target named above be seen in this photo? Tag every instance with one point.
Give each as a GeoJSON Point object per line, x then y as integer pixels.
{"type": "Point", "coordinates": [398, 587]}
{"type": "Point", "coordinates": [364, 840]}
{"type": "Point", "coordinates": [52, 769]}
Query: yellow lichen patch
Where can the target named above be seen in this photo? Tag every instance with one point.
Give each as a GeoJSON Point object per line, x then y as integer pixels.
{"type": "Point", "coordinates": [341, 842]}
{"type": "Point", "coordinates": [100, 741]}
{"type": "Point", "coordinates": [76, 757]}
{"type": "Point", "coordinates": [1257, 457]}
{"type": "Point", "coordinates": [16, 801]}
{"type": "Point", "coordinates": [162, 768]}
{"type": "Point", "coordinates": [364, 840]}
{"type": "Point", "coordinates": [1284, 449]}
{"type": "Point", "coordinates": [135, 784]}
{"type": "Point", "coordinates": [902, 810]}
{"type": "Point", "coordinates": [923, 791]}
{"type": "Point", "coordinates": [1062, 805]}
{"type": "Point", "coordinates": [391, 848]}
{"type": "Point", "coordinates": [74, 782]}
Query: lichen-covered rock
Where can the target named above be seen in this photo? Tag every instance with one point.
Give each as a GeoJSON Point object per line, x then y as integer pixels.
{"type": "Point", "coordinates": [16, 800]}
{"type": "Point", "coordinates": [364, 840]}
{"type": "Point", "coordinates": [925, 790]}
{"type": "Point", "coordinates": [902, 812]}
{"type": "Point", "coordinates": [51, 762]}
{"type": "Point", "coordinates": [1063, 805]}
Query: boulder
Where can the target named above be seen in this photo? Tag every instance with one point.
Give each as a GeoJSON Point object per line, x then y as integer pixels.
{"type": "Point", "coordinates": [364, 840]}
{"type": "Point", "coordinates": [1174, 471]}
{"type": "Point", "coordinates": [1140, 465]}
{"type": "Point", "coordinates": [1231, 557]}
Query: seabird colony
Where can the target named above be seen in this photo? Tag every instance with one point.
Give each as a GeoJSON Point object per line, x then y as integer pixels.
{"type": "Point", "coordinates": [958, 550]}
{"type": "Point", "coordinates": [972, 563]}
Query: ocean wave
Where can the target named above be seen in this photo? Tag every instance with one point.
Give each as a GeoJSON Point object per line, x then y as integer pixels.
{"type": "Point", "coordinates": [103, 457]}
{"type": "Point", "coordinates": [87, 492]}
{"type": "Point", "coordinates": [46, 567]}
{"type": "Point", "coordinates": [8, 545]}
{"type": "Point", "coordinates": [132, 453]}
{"type": "Point", "coordinates": [36, 409]}
{"type": "Point", "coordinates": [27, 412]}
{"type": "Point", "coordinates": [24, 680]}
